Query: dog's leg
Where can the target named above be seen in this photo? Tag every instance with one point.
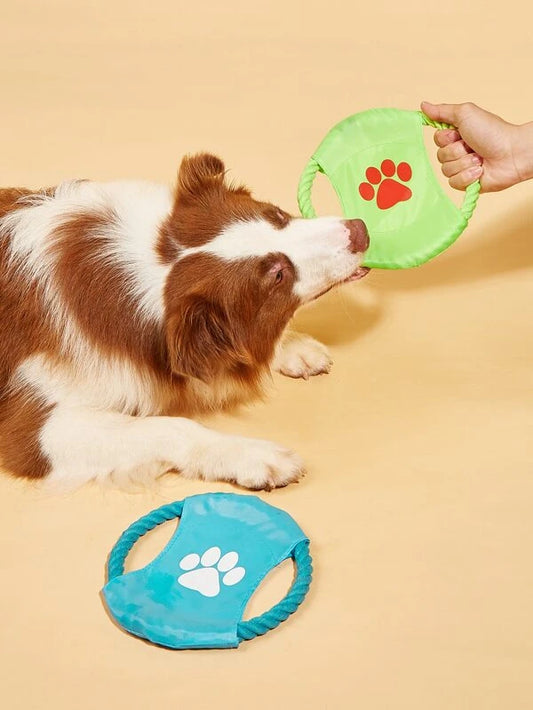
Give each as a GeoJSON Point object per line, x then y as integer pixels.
{"type": "Point", "coordinates": [300, 355]}
{"type": "Point", "coordinates": [82, 444]}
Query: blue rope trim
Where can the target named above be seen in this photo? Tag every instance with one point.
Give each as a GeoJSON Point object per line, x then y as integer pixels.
{"type": "Point", "coordinates": [121, 549]}
{"type": "Point", "coordinates": [267, 621]}
{"type": "Point", "coordinates": [246, 630]}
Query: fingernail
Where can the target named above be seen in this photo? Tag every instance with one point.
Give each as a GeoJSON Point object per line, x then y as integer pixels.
{"type": "Point", "coordinates": [476, 171]}
{"type": "Point", "coordinates": [476, 159]}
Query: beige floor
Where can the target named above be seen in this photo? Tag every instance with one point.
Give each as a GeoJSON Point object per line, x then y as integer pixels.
{"type": "Point", "coordinates": [419, 444]}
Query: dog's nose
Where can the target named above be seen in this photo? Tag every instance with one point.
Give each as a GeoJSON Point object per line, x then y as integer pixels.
{"type": "Point", "coordinates": [359, 239]}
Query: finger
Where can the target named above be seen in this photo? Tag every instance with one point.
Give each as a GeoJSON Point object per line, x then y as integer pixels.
{"type": "Point", "coordinates": [454, 167]}
{"type": "Point", "coordinates": [446, 113]}
{"type": "Point", "coordinates": [448, 135]}
{"type": "Point", "coordinates": [453, 151]}
{"type": "Point", "coordinates": [465, 178]}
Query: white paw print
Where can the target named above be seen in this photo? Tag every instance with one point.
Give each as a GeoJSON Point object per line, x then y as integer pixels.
{"type": "Point", "coordinates": [203, 574]}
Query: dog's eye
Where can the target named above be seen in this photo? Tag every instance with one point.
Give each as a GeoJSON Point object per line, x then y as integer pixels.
{"type": "Point", "coordinates": [279, 277]}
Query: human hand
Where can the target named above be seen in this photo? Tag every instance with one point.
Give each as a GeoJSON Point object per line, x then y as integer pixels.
{"type": "Point", "coordinates": [483, 146]}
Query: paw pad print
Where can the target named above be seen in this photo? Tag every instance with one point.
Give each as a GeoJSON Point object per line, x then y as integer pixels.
{"type": "Point", "coordinates": [203, 574]}
{"type": "Point", "coordinates": [386, 181]}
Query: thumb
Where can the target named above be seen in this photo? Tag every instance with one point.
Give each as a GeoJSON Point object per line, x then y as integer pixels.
{"type": "Point", "coordinates": [446, 113]}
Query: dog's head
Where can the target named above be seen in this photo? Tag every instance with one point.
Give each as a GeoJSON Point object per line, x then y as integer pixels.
{"type": "Point", "coordinates": [240, 270]}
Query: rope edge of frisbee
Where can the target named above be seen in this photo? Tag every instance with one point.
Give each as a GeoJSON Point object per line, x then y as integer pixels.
{"type": "Point", "coordinates": [246, 630]}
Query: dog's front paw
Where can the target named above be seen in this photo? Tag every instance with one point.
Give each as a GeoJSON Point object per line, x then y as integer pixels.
{"type": "Point", "coordinates": [302, 356]}
{"type": "Point", "coordinates": [251, 463]}
{"type": "Point", "coordinates": [263, 465]}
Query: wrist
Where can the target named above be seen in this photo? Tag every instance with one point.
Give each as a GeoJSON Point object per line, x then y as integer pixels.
{"type": "Point", "coordinates": [523, 151]}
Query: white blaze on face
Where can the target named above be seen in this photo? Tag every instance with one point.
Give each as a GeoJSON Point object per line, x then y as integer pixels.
{"type": "Point", "coordinates": [319, 249]}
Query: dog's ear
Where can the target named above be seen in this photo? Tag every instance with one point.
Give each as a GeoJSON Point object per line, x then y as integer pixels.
{"type": "Point", "coordinates": [202, 343]}
{"type": "Point", "coordinates": [198, 173]}
{"type": "Point", "coordinates": [203, 173]}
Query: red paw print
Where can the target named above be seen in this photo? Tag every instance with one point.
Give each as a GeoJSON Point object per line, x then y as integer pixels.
{"type": "Point", "coordinates": [390, 191]}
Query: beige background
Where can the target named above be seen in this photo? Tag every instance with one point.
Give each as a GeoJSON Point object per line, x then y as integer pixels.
{"type": "Point", "coordinates": [419, 493]}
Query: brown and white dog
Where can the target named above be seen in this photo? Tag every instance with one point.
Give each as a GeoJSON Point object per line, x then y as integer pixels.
{"type": "Point", "coordinates": [126, 308]}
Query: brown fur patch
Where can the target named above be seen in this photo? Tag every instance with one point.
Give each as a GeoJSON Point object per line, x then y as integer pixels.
{"type": "Point", "coordinates": [224, 318]}
{"type": "Point", "coordinates": [25, 326]}
{"type": "Point", "coordinates": [25, 331]}
{"type": "Point", "coordinates": [21, 419]}
{"type": "Point", "coordinates": [9, 198]}
{"type": "Point", "coordinates": [99, 293]}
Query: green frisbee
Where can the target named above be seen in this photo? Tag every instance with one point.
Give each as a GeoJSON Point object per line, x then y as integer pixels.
{"type": "Point", "coordinates": [378, 165]}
